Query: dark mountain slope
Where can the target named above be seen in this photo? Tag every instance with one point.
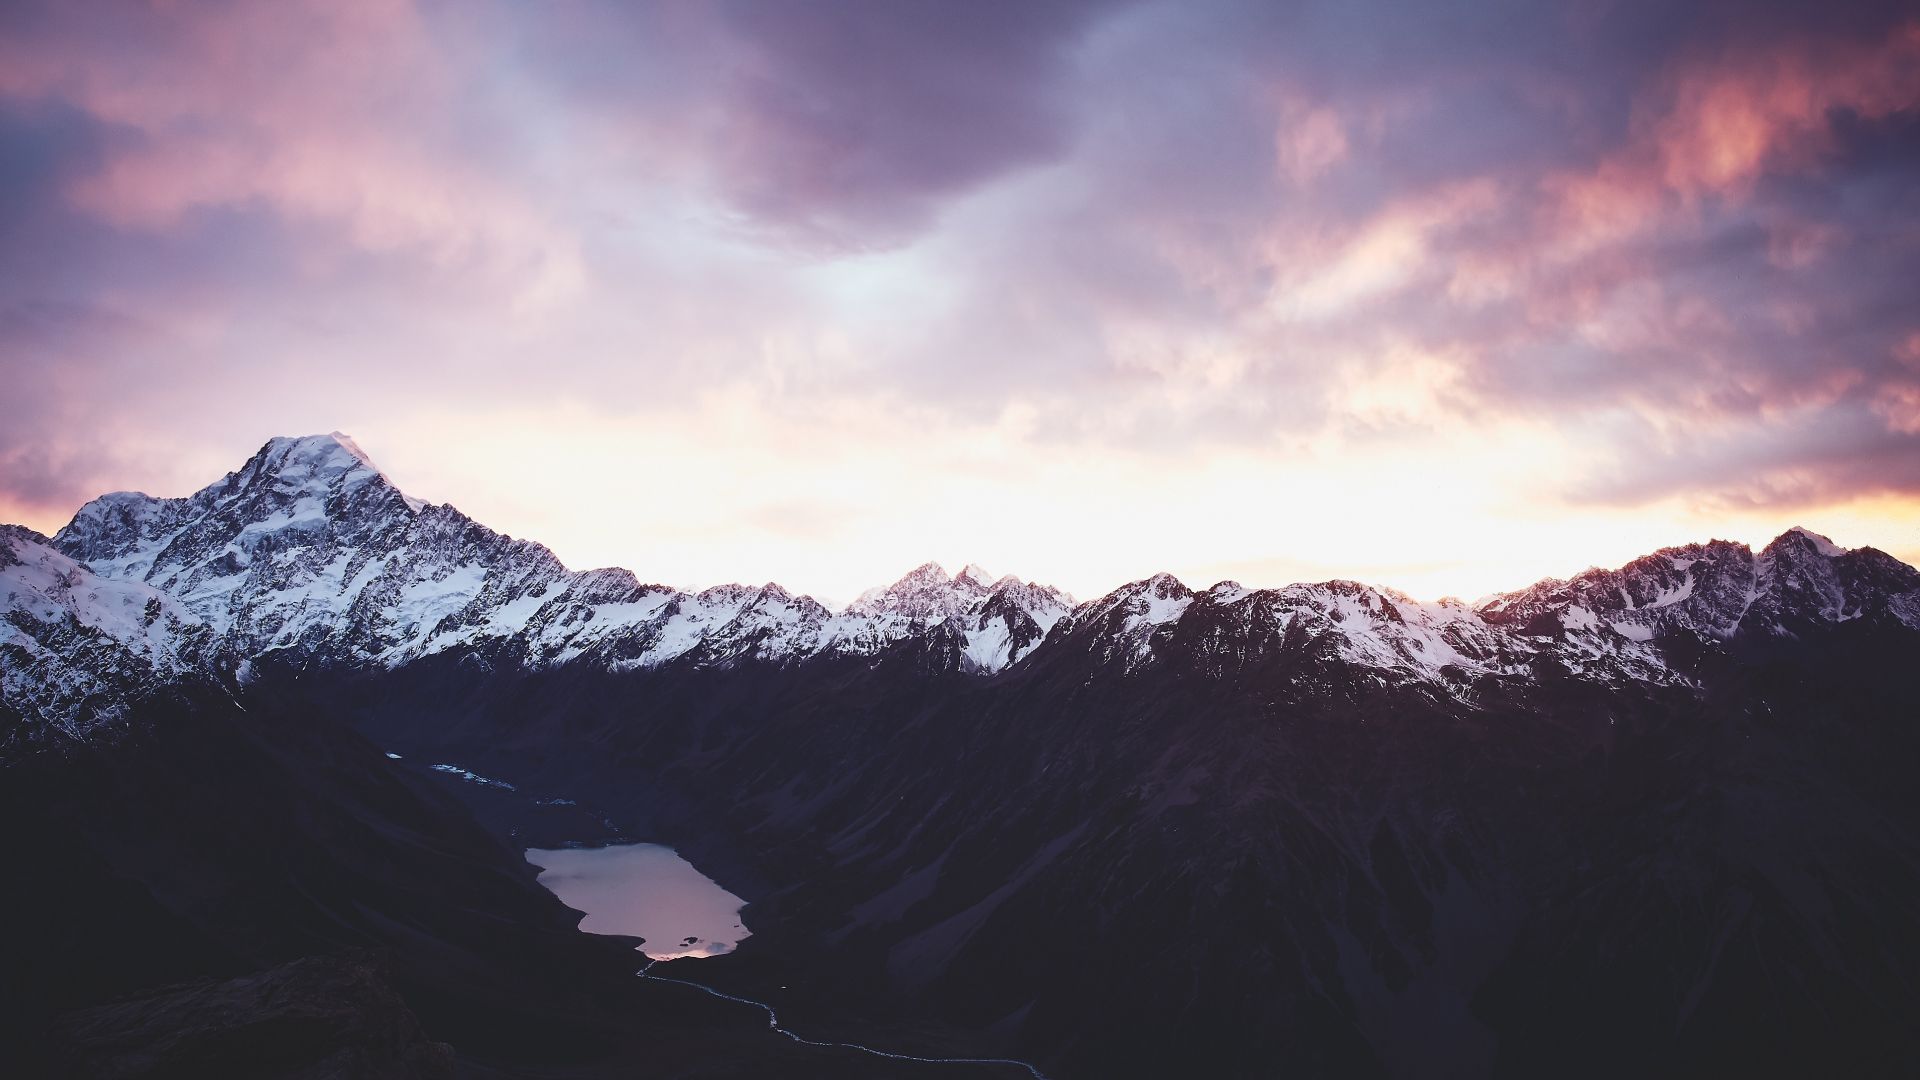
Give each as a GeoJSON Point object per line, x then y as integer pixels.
{"type": "Point", "coordinates": [1617, 824]}
{"type": "Point", "coordinates": [1262, 857]}
{"type": "Point", "coordinates": [166, 827]}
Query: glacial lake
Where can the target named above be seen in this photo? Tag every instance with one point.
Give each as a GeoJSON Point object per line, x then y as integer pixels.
{"type": "Point", "coordinates": [644, 890]}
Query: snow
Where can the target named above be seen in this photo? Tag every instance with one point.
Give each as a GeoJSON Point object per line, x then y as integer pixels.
{"type": "Point", "coordinates": [1578, 618]}
{"type": "Point", "coordinates": [928, 594]}
{"type": "Point", "coordinates": [49, 587]}
{"type": "Point", "coordinates": [1821, 544]}
{"type": "Point", "coordinates": [1633, 631]}
{"type": "Point", "coordinates": [1156, 600]}
{"type": "Point", "coordinates": [78, 645]}
{"type": "Point", "coordinates": [1162, 609]}
{"type": "Point", "coordinates": [472, 777]}
{"type": "Point", "coordinates": [1674, 595]}
{"type": "Point", "coordinates": [978, 574]}
{"type": "Point", "coordinates": [1227, 592]}
{"type": "Point", "coordinates": [987, 646]}
{"type": "Point", "coordinates": [346, 443]}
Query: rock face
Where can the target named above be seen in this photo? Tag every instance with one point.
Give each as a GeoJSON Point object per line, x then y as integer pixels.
{"type": "Point", "coordinates": [1655, 819]}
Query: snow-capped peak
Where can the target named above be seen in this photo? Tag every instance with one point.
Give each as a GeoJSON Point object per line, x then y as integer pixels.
{"type": "Point", "coordinates": [925, 593]}
{"type": "Point", "coordinates": [977, 574]}
{"type": "Point", "coordinates": [329, 452]}
{"type": "Point", "coordinates": [1147, 602]}
{"type": "Point", "coordinates": [1820, 544]}
{"type": "Point", "coordinates": [330, 445]}
{"type": "Point", "coordinates": [333, 459]}
{"type": "Point", "coordinates": [1226, 592]}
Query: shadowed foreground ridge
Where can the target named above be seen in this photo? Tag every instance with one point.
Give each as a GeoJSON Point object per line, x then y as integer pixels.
{"type": "Point", "coordinates": [1656, 819]}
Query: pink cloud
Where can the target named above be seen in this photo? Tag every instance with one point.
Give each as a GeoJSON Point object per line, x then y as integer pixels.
{"type": "Point", "coordinates": [1723, 123]}
{"type": "Point", "coordinates": [1712, 128]}
{"type": "Point", "coordinates": [326, 112]}
{"type": "Point", "coordinates": [1310, 140]}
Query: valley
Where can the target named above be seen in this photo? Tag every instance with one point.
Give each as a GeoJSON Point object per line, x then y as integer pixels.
{"type": "Point", "coordinates": [1322, 829]}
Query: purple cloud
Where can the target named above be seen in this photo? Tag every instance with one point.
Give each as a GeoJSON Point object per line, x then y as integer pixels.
{"type": "Point", "coordinates": [1683, 238]}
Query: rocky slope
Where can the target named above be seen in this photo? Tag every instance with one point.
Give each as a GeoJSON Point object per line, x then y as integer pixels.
{"type": "Point", "coordinates": [1261, 852]}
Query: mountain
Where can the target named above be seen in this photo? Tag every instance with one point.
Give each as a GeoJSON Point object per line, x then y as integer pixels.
{"type": "Point", "coordinates": [216, 879]}
{"type": "Point", "coordinates": [1655, 819]}
{"type": "Point", "coordinates": [1721, 591]}
{"type": "Point", "coordinates": [309, 553]}
{"type": "Point", "coordinates": [80, 650]}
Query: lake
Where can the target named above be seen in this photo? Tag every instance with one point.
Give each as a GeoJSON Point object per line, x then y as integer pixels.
{"type": "Point", "coordinates": [644, 890]}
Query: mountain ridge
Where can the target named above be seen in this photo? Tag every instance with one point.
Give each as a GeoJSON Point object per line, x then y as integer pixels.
{"type": "Point", "coordinates": [1285, 825]}
{"type": "Point", "coordinates": [310, 552]}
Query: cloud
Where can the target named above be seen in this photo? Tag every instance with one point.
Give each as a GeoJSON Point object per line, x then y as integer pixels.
{"type": "Point", "coordinates": [334, 113]}
{"type": "Point", "coordinates": [1668, 249]}
{"type": "Point", "coordinates": [853, 121]}
{"type": "Point", "coordinates": [827, 128]}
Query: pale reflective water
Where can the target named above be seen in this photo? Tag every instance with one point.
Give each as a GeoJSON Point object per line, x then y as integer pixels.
{"type": "Point", "coordinates": [644, 890]}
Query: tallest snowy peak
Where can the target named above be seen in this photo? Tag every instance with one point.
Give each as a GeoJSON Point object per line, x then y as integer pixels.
{"type": "Point", "coordinates": [977, 574]}
{"type": "Point", "coordinates": [330, 451]}
{"type": "Point", "coordinates": [320, 447]}
{"type": "Point", "coordinates": [926, 592]}
{"type": "Point", "coordinates": [318, 462]}
{"type": "Point", "coordinates": [1808, 537]}
{"type": "Point", "coordinates": [925, 573]}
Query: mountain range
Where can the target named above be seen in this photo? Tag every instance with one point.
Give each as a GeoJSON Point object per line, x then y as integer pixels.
{"type": "Point", "coordinates": [1653, 819]}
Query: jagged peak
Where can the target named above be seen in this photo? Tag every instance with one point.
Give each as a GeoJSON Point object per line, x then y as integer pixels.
{"type": "Point", "coordinates": [1162, 585]}
{"type": "Point", "coordinates": [118, 499]}
{"type": "Point", "coordinates": [319, 446]}
{"type": "Point", "coordinates": [321, 458]}
{"type": "Point", "coordinates": [1801, 536]}
{"type": "Point", "coordinates": [320, 454]}
{"type": "Point", "coordinates": [926, 571]}
{"type": "Point", "coordinates": [926, 591]}
{"type": "Point", "coordinates": [1227, 592]}
{"type": "Point", "coordinates": [978, 575]}
{"type": "Point", "coordinates": [1013, 586]}
{"type": "Point", "coordinates": [23, 534]}
{"type": "Point", "coordinates": [1155, 591]}
{"type": "Point", "coordinates": [721, 594]}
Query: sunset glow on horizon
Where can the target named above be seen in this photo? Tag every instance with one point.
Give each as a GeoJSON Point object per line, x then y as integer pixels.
{"type": "Point", "coordinates": [1076, 291]}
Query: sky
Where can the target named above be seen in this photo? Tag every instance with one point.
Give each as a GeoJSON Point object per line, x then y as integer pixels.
{"type": "Point", "coordinates": [1445, 297]}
